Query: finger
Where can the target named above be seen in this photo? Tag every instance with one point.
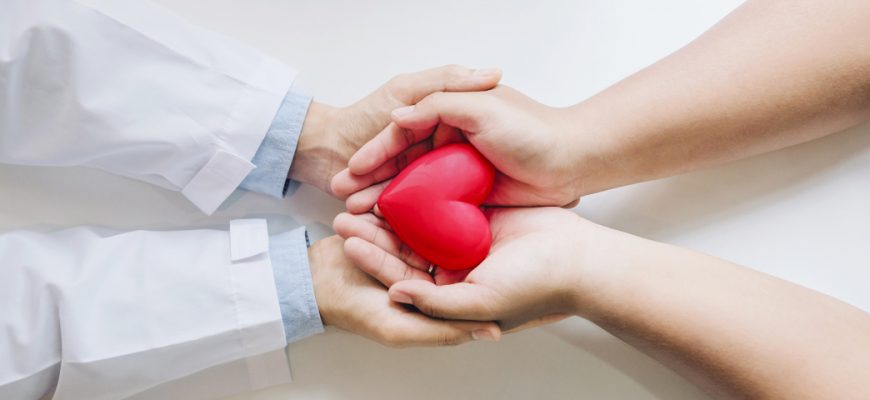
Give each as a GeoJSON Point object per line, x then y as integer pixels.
{"type": "Point", "coordinates": [380, 264]}
{"type": "Point", "coordinates": [387, 144]}
{"type": "Point", "coordinates": [418, 330]}
{"type": "Point", "coordinates": [396, 164]}
{"type": "Point", "coordinates": [446, 277]}
{"type": "Point", "coordinates": [446, 134]}
{"type": "Point", "coordinates": [345, 184]}
{"type": "Point", "coordinates": [340, 222]}
{"type": "Point", "coordinates": [374, 220]}
{"type": "Point", "coordinates": [342, 184]}
{"type": "Point", "coordinates": [407, 89]}
{"type": "Point", "coordinates": [347, 225]}
{"type": "Point", "coordinates": [464, 111]}
{"type": "Point", "coordinates": [411, 88]}
{"type": "Point", "coordinates": [461, 300]}
{"type": "Point", "coordinates": [366, 200]}
{"type": "Point", "coordinates": [352, 182]}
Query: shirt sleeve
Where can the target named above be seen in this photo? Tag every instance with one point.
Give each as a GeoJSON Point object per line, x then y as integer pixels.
{"type": "Point", "coordinates": [275, 155]}
{"type": "Point", "coordinates": [98, 314]}
{"type": "Point", "coordinates": [299, 312]}
{"type": "Point", "coordinates": [130, 88]}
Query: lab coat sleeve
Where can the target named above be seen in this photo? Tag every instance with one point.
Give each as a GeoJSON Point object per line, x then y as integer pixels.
{"type": "Point", "coordinates": [128, 87]}
{"type": "Point", "coordinates": [105, 315]}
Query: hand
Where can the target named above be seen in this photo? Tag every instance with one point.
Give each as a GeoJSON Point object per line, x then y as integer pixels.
{"type": "Point", "coordinates": [351, 300]}
{"type": "Point", "coordinates": [331, 135]}
{"type": "Point", "coordinates": [537, 270]}
{"type": "Point", "coordinates": [529, 143]}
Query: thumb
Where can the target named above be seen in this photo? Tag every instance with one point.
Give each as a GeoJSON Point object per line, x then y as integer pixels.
{"type": "Point", "coordinates": [464, 111]}
{"type": "Point", "coordinates": [464, 301]}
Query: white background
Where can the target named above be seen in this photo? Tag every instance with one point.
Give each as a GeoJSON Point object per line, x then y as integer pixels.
{"type": "Point", "coordinates": [802, 214]}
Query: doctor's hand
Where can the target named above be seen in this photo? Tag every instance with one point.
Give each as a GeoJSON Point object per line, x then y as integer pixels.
{"type": "Point", "coordinates": [530, 144]}
{"type": "Point", "coordinates": [351, 300]}
{"type": "Point", "coordinates": [533, 274]}
{"type": "Point", "coordinates": [331, 135]}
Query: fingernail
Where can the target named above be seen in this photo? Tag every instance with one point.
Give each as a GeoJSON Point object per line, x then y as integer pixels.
{"type": "Point", "coordinates": [403, 111]}
{"type": "Point", "coordinates": [400, 297]}
{"type": "Point", "coordinates": [485, 71]}
{"type": "Point", "coordinates": [483, 334]}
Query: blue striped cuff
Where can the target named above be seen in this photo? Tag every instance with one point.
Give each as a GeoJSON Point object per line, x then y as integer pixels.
{"type": "Point", "coordinates": [275, 155]}
{"type": "Point", "coordinates": [289, 254]}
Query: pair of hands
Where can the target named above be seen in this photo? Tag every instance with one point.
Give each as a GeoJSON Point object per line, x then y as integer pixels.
{"type": "Point", "coordinates": [353, 153]}
{"type": "Point", "coordinates": [534, 272]}
{"type": "Point", "coordinates": [347, 297]}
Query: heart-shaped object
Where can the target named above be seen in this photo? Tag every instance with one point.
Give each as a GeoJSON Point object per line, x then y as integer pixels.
{"type": "Point", "coordinates": [433, 206]}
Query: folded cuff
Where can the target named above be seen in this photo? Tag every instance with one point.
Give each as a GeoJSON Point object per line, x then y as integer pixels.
{"type": "Point", "coordinates": [289, 255]}
{"type": "Point", "coordinates": [275, 155]}
{"type": "Point", "coordinates": [239, 138]}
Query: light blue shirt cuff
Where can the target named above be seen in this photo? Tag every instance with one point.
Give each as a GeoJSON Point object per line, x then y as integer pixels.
{"type": "Point", "coordinates": [289, 254]}
{"type": "Point", "coordinates": [275, 154]}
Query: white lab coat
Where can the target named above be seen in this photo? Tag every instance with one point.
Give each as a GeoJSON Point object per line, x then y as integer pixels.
{"type": "Point", "coordinates": [124, 86]}
{"type": "Point", "coordinates": [127, 87]}
{"type": "Point", "coordinates": [109, 316]}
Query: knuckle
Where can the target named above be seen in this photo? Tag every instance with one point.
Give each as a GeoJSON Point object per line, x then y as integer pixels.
{"type": "Point", "coordinates": [453, 70]}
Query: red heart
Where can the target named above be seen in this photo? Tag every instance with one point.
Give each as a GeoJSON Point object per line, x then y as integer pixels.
{"type": "Point", "coordinates": [433, 206]}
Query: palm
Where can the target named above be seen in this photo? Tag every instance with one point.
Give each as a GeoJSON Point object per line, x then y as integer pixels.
{"type": "Point", "coordinates": [516, 281]}
{"type": "Point", "coordinates": [349, 299]}
{"type": "Point", "coordinates": [519, 270]}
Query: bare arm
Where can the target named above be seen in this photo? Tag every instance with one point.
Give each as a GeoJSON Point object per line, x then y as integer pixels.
{"type": "Point", "coordinates": [772, 74]}
{"type": "Point", "coordinates": [734, 331]}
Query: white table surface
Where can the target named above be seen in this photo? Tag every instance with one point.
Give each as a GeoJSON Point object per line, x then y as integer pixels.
{"type": "Point", "coordinates": [802, 213]}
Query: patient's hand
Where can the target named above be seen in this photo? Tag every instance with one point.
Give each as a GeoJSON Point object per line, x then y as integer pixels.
{"type": "Point", "coordinates": [536, 272]}
{"type": "Point", "coordinates": [351, 300]}
{"type": "Point", "coordinates": [330, 136]}
{"type": "Point", "coordinates": [531, 145]}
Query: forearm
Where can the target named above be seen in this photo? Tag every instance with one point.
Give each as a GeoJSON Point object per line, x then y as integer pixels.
{"type": "Point", "coordinates": [770, 75]}
{"type": "Point", "coordinates": [733, 330]}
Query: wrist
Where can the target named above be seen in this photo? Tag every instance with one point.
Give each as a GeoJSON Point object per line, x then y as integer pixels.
{"type": "Point", "coordinates": [314, 157]}
{"type": "Point", "coordinates": [587, 139]}
{"type": "Point", "coordinates": [608, 265]}
{"type": "Point", "coordinates": [635, 273]}
{"type": "Point", "coordinates": [316, 258]}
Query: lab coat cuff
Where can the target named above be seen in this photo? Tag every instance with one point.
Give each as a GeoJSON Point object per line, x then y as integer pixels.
{"type": "Point", "coordinates": [275, 155]}
{"type": "Point", "coordinates": [241, 136]}
{"type": "Point", "coordinates": [289, 254]}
